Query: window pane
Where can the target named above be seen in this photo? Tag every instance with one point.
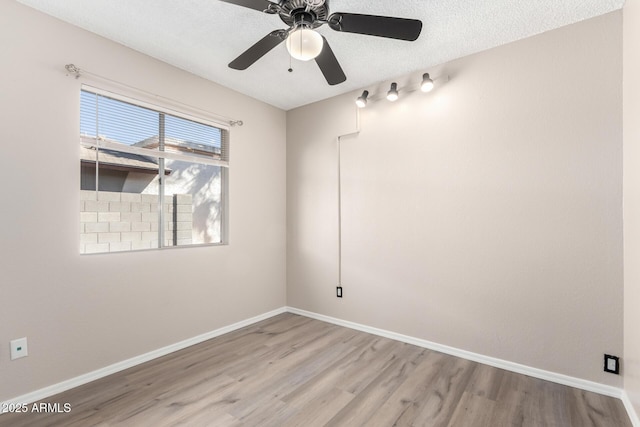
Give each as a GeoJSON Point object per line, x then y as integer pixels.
{"type": "Point", "coordinates": [198, 139]}
{"type": "Point", "coordinates": [193, 203]}
{"type": "Point", "coordinates": [117, 171]}
{"type": "Point", "coordinates": [117, 121]}
{"type": "Point", "coordinates": [117, 217]}
{"type": "Point", "coordinates": [124, 216]}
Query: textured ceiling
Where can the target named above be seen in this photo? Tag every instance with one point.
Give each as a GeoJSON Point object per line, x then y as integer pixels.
{"type": "Point", "coordinates": [203, 36]}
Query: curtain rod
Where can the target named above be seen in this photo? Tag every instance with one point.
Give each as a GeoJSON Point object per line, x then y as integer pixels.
{"type": "Point", "coordinates": [78, 72]}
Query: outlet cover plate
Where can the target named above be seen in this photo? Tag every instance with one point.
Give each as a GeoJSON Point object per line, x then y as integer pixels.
{"type": "Point", "coordinates": [19, 348]}
{"type": "Point", "coordinates": [612, 364]}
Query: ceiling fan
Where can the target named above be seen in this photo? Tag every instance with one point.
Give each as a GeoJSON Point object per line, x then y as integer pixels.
{"type": "Point", "coordinates": [302, 17]}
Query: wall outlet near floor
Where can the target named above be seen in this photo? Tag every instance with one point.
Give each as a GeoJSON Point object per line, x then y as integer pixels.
{"type": "Point", "coordinates": [339, 291]}
{"type": "Point", "coordinates": [611, 364]}
{"type": "Point", "coordinates": [19, 348]}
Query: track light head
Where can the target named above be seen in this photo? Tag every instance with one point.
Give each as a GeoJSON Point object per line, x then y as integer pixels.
{"type": "Point", "coordinates": [427, 83]}
{"type": "Point", "coordinates": [361, 102]}
{"type": "Point", "coordinates": [392, 95]}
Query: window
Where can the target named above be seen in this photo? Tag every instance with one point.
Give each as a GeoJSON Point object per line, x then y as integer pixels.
{"type": "Point", "coordinates": [149, 177]}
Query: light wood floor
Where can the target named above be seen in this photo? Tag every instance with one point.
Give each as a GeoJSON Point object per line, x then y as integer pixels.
{"type": "Point", "coordinates": [294, 371]}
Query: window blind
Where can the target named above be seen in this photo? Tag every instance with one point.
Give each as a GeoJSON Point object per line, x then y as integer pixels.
{"type": "Point", "coordinates": [115, 122]}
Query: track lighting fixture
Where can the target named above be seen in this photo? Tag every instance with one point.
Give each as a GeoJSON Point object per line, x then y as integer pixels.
{"type": "Point", "coordinates": [392, 95]}
{"type": "Point", "coordinates": [427, 83]}
{"type": "Point", "coordinates": [361, 102]}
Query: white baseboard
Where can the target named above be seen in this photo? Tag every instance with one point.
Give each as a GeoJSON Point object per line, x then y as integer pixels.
{"type": "Point", "coordinates": [49, 391]}
{"type": "Point", "coordinates": [633, 416]}
{"type": "Point", "coordinates": [486, 360]}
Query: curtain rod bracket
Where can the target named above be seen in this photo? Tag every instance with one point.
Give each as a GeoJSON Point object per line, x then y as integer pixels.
{"type": "Point", "coordinates": [72, 69]}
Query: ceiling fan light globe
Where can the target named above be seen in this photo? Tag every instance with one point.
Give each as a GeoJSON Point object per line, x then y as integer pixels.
{"type": "Point", "coordinates": [304, 44]}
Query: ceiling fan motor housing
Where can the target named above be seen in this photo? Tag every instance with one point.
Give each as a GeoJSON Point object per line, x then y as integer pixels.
{"type": "Point", "coordinates": [311, 13]}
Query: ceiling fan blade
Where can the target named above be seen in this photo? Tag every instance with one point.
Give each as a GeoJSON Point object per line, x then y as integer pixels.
{"type": "Point", "coordinates": [259, 5]}
{"type": "Point", "coordinates": [373, 25]}
{"type": "Point", "coordinates": [329, 65]}
{"type": "Point", "coordinates": [258, 50]}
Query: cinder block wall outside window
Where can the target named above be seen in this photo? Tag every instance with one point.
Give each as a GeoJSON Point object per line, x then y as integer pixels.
{"type": "Point", "coordinates": [115, 222]}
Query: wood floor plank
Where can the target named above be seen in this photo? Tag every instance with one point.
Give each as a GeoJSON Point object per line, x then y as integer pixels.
{"type": "Point", "coordinates": [445, 393]}
{"type": "Point", "coordinates": [321, 409]}
{"type": "Point", "coordinates": [472, 410]}
{"type": "Point", "coordinates": [358, 376]}
{"type": "Point", "coordinates": [344, 372]}
{"type": "Point", "coordinates": [294, 371]}
{"type": "Point", "coordinates": [485, 381]}
{"type": "Point", "coordinates": [406, 402]}
{"type": "Point", "coordinates": [361, 409]}
{"type": "Point", "coordinates": [291, 370]}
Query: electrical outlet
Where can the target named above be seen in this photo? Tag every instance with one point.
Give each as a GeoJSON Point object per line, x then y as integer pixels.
{"type": "Point", "coordinates": [611, 364]}
{"type": "Point", "coordinates": [339, 291]}
{"type": "Point", "coordinates": [19, 348]}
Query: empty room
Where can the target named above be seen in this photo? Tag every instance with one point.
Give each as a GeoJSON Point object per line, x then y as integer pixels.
{"type": "Point", "coordinates": [320, 212]}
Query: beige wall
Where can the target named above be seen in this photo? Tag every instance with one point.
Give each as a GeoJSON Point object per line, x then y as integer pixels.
{"type": "Point", "coordinates": [81, 313]}
{"type": "Point", "coordinates": [631, 185]}
{"type": "Point", "coordinates": [486, 215]}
